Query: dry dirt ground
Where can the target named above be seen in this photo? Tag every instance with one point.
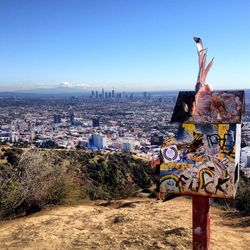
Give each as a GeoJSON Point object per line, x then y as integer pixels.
{"type": "Point", "coordinates": [138, 223]}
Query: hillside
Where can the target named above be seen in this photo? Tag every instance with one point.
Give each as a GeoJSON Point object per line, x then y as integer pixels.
{"type": "Point", "coordinates": [85, 185]}
{"type": "Point", "coordinates": [33, 178]}
{"type": "Point", "coordinates": [123, 224]}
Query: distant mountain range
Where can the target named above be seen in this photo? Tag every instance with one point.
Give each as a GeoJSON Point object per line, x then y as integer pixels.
{"type": "Point", "coordinates": [69, 91]}
{"type": "Point", "coordinates": [47, 91]}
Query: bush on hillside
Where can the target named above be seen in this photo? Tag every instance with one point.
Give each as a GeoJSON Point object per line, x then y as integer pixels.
{"type": "Point", "coordinates": [35, 178]}
{"type": "Point", "coordinates": [242, 198]}
{"type": "Point", "coordinates": [34, 182]}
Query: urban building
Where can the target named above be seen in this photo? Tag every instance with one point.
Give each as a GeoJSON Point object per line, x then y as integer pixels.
{"type": "Point", "coordinates": [57, 119]}
{"type": "Point", "coordinates": [245, 157]}
{"type": "Point", "coordinates": [98, 141]}
{"type": "Point", "coordinates": [156, 139]}
{"type": "Point", "coordinates": [127, 147]}
{"type": "Point", "coordinates": [95, 122]}
{"type": "Point", "coordinates": [72, 117]}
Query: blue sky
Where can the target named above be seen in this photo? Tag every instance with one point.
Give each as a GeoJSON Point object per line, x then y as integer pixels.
{"type": "Point", "coordinates": [122, 44]}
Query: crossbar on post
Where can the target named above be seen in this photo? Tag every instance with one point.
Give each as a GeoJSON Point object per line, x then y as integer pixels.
{"type": "Point", "coordinates": [201, 223]}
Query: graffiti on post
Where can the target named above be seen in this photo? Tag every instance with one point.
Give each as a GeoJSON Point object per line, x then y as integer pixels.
{"type": "Point", "coordinates": [203, 157]}
{"type": "Point", "coordinates": [201, 160]}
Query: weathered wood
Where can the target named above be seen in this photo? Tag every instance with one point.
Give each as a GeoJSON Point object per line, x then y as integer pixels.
{"type": "Point", "coordinates": [201, 223]}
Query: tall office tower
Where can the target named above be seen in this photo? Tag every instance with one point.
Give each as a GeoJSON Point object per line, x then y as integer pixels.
{"type": "Point", "coordinates": [145, 94]}
{"type": "Point", "coordinates": [92, 94]}
{"type": "Point", "coordinates": [57, 119]}
{"type": "Point", "coordinates": [96, 122]}
{"type": "Point", "coordinates": [102, 93]}
{"type": "Point", "coordinates": [72, 117]}
{"type": "Point", "coordinates": [113, 94]}
{"type": "Point", "coordinates": [96, 94]}
{"type": "Point", "coordinates": [110, 95]}
{"type": "Point", "coordinates": [13, 136]}
{"type": "Point", "coordinates": [106, 95]}
{"type": "Point", "coordinates": [29, 126]}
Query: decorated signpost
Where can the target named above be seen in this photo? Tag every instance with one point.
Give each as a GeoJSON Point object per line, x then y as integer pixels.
{"type": "Point", "coordinates": [203, 158]}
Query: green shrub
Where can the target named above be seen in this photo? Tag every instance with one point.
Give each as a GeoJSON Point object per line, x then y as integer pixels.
{"type": "Point", "coordinates": [242, 201]}
{"type": "Point", "coordinates": [41, 177]}
{"type": "Point", "coordinates": [10, 196]}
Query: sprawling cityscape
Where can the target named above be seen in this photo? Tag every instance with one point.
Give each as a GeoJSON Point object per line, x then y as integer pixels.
{"type": "Point", "coordinates": [101, 120]}
{"type": "Point", "coordinates": [124, 125]}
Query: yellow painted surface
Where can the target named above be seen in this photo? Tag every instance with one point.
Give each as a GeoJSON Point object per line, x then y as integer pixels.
{"type": "Point", "coordinates": [222, 129]}
{"type": "Point", "coordinates": [189, 127]}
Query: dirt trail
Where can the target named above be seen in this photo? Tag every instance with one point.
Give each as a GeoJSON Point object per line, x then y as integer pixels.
{"type": "Point", "coordinates": [128, 224]}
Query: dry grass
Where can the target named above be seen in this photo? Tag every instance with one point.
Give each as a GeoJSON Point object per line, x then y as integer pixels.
{"type": "Point", "coordinates": [124, 224]}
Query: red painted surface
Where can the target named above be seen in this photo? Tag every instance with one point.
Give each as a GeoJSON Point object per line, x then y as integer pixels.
{"type": "Point", "coordinates": [201, 223]}
{"type": "Point", "coordinates": [155, 162]}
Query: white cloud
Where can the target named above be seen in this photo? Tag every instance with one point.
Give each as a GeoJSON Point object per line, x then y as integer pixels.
{"type": "Point", "coordinates": [73, 85]}
{"type": "Point", "coordinates": [65, 85]}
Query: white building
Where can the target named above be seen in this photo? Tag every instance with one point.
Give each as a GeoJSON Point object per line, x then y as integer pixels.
{"type": "Point", "coordinates": [98, 140]}
{"type": "Point", "coordinates": [245, 156]}
{"type": "Point", "coordinates": [13, 137]}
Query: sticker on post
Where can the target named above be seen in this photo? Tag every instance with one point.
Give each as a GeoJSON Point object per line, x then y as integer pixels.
{"type": "Point", "coordinates": [170, 153]}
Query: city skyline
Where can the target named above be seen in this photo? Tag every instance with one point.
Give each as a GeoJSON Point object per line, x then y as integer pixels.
{"type": "Point", "coordinates": [131, 46]}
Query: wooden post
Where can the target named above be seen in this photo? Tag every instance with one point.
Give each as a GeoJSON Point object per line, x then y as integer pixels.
{"type": "Point", "coordinates": [201, 223]}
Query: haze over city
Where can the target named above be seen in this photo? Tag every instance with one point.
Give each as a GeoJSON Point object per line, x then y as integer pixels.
{"type": "Point", "coordinates": [121, 45]}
